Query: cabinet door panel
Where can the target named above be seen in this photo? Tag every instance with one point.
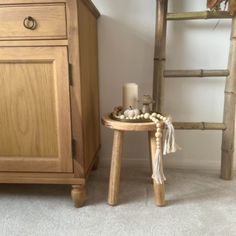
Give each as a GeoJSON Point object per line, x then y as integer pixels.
{"type": "Point", "coordinates": [35, 131]}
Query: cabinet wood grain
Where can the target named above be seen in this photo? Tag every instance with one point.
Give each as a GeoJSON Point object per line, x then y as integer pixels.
{"type": "Point", "coordinates": [89, 82]}
{"type": "Point", "coordinates": [34, 106]}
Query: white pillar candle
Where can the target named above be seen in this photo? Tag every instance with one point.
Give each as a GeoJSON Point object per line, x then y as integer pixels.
{"type": "Point", "coordinates": [130, 95]}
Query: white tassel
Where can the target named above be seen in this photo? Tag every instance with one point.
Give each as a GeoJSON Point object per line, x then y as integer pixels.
{"type": "Point", "coordinates": [158, 174]}
{"type": "Point", "coordinates": [170, 145]}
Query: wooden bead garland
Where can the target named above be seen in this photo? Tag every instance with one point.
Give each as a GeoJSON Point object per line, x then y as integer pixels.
{"type": "Point", "coordinates": [156, 118]}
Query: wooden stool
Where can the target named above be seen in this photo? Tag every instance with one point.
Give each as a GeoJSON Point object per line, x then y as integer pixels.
{"type": "Point", "coordinates": [119, 129]}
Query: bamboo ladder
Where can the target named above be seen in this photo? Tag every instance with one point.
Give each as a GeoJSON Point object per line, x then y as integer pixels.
{"type": "Point", "coordinates": [160, 74]}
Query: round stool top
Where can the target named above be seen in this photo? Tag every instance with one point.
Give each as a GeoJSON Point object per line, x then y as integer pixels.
{"type": "Point", "coordinates": [127, 126]}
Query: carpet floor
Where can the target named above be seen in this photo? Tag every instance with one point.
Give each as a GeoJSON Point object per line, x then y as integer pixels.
{"type": "Point", "coordinates": [197, 204]}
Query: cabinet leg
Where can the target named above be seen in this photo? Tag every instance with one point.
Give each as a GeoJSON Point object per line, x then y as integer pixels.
{"type": "Point", "coordinates": [96, 163]}
{"type": "Point", "coordinates": [115, 168]}
{"type": "Point", "coordinates": [78, 195]}
{"type": "Point", "coordinates": [159, 189]}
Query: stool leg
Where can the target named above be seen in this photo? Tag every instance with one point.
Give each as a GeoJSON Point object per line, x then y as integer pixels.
{"type": "Point", "coordinates": [115, 168]}
{"type": "Point", "coordinates": [159, 189]}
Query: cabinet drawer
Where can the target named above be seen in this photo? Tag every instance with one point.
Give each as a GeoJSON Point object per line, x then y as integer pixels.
{"type": "Point", "coordinates": [32, 22]}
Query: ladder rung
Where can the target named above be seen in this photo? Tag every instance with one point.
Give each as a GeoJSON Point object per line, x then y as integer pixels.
{"type": "Point", "coordinates": [199, 125]}
{"type": "Point", "coordinates": [195, 73]}
{"type": "Point", "coordinates": [199, 15]}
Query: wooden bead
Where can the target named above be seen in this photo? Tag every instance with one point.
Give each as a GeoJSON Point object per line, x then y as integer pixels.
{"type": "Point", "coordinates": [158, 144]}
{"type": "Point", "coordinates": [159, 130]}
{"type": "Point", "coordinates": [158, 135]}
{"type": "Point", "coordinates": [146, 115]}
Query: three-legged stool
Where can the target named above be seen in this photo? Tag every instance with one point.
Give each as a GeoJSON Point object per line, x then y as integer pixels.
{"type": "Point", "coordinates": [119, 129]}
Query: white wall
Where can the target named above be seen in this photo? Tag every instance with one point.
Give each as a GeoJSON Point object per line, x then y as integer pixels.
{"type": "Point", "coordinates": [126, 46]}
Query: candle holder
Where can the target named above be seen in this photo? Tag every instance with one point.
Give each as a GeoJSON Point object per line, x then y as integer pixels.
{"type": "Point", "coordinates": [146, 101]}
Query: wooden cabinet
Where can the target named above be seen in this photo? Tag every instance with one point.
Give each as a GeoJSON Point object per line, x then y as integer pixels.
{"type": "Point", "coordinates": [49, 109]}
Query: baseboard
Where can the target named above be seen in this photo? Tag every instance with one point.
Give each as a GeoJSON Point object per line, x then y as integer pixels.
{"type": "Point", "coordinates": [137, 163]}
{"type": "Point", "coordinates": [171, 163]}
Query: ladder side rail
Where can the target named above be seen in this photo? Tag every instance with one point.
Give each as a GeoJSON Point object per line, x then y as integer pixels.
{"type": "Point", "coordinates": [229, 111]}
{"type": "Point", "coordinates": [159, 55]}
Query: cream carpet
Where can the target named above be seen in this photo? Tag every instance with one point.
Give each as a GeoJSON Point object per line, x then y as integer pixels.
{"type": "Point", "coordinates": [198, 204]}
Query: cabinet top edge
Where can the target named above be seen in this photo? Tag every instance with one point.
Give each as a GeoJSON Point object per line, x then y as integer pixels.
{"type": "Point", "coordinates": [7, 2]}
{"type": "Point", "coordinates": [88, 3]}
{"type": "Point", "coordinates": [92, 7]}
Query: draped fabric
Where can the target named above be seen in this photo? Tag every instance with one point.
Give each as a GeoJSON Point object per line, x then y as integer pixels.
{"type": "Point", "coordinates": [158, 172]}
{"type": "Point", "coordinates": [215, 5]}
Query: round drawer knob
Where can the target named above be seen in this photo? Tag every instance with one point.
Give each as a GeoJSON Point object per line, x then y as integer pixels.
{"type": "Point", "coordinates": [30, 23]}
